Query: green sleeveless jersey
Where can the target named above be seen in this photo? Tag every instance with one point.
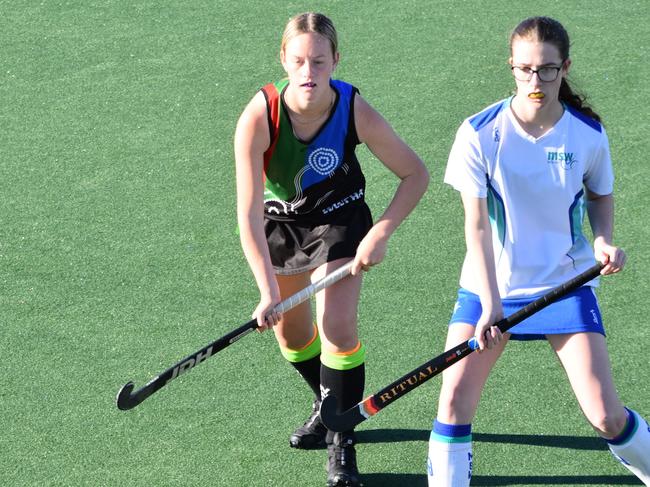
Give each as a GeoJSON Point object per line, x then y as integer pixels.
{"type": "Point", "coordinates": [311, 180]}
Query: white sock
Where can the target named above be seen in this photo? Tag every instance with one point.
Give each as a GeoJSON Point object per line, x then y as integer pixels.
{"type": "Point", "coordinates": [450, 459]}
{"type": "Point", "coordinates": [633, 450]}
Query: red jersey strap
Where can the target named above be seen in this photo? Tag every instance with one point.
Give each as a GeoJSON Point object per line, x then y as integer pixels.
{"type": "Point", "coordinates": [272, 96]}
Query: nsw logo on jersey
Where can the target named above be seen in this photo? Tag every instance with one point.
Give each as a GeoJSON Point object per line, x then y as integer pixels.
{"type": "Point", "coordinates": [566, 160]}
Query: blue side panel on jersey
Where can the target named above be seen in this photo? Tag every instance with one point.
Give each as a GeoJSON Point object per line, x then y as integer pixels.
{"type": "Point", "coordinates": [576, 215]}
{"type": "Point", "coordinates": [486, 116]}
{"type": "Point", "coordinates": [497, 213]}
{"type": "Point", "coordinates": [594, 124]}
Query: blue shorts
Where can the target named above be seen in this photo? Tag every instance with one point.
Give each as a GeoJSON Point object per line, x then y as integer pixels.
{"type": "Point", "coordinates": [576, 312]}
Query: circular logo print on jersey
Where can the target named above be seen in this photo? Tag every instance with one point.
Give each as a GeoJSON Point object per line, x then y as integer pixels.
{"type": "Point", "coordinates": [323, 160]}
{"type": "Point", "coordinates": [276, 206]}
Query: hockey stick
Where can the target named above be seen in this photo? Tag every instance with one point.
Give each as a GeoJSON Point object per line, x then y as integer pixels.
{"type": "Point", "coordinates": [370, 406]}
{"type": "Point", "coordinates": [127, 399]}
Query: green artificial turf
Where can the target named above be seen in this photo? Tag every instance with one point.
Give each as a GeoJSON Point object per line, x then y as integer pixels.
{"type": "Point", "coordinates": [119, 253]}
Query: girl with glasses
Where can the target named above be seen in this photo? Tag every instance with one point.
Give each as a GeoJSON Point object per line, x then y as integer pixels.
{"type": "Point", "coordinates": [528, 169]}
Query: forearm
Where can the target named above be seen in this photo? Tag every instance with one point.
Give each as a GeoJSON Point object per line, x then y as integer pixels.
{"type": "Point", "coordinates": [409, 192]}
{"type": "Point", "coordinates": [256, 251]}
{"type": "Point", "coordinates": [601, 217]}
{"type": "Point", "coordinates": [600, 210]}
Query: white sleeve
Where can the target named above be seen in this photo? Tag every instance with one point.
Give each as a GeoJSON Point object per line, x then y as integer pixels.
{"type": "Point", "coordinates": [466, 170]}
{"type": "Point", "coordinates": [599, 175]}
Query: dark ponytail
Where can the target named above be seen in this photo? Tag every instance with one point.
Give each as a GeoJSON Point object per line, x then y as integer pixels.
{"type": "Point", "coordinates": [576, 100]}
{"type": "Point", "coordinates": [546, 29]}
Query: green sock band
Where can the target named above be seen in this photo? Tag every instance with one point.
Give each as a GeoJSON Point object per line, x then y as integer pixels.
{"type": "Point", "coordinates": [308, 351]}
{"type": "Point", "coordinates": [344, 360]}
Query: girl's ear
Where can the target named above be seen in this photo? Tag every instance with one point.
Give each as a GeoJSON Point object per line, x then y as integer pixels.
{"type": "Point", "coordinates": [337, 58]}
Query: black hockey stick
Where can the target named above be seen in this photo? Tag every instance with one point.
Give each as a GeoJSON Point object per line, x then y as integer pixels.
{"type": "Point", "coordinates": [371, 405]}
{"type": "Point", "coordinates": [127, 399]}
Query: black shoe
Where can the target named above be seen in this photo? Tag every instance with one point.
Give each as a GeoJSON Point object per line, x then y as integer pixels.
{"type": "Point", "coordinates": [342, 462]}
{"type": "Point", "coordinates": [312, 433]}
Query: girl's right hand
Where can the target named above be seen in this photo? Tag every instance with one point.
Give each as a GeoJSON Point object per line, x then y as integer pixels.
{"type": "Point", "coordinates": [264, 312]}
{"type": "Point", "coordinates": [487, 334]}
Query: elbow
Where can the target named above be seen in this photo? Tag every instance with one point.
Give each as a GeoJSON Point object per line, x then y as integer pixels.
{"type": "Point", "coordinates": [422, 178]}
{"type": "Point", "coordinates": [245, 221]}
{"type": "Point", "coordinates": [250, 216]}
{"type": "Point", "coordinates": [418, 177]}
{"type": "Point", "coordinates": [426, 177]}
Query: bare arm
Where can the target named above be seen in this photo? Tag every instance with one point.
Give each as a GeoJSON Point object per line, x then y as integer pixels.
{"type": "Point", "coordinates": [480, 255]}
{"type": "Point", "coordinates": [251, 140]}
{"type": "Point", "coordinates": [600, 209]}
{"type": "Point", "coordinates": [384, 143]}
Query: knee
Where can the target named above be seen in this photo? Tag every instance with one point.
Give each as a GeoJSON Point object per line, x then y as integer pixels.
{"type": "Point", "coordinates": [340, 342]}
{"type": "Point", "coordinates": [340, 335]}
{"type": "Point", "coordinates": [609, 425]}
{"type": "Point", "coordinates": [456, 404]}
{"type": "Point", "coordinates": [294, 335]}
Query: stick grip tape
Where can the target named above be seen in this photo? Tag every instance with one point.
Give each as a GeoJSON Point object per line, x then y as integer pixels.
{"type": "Point", "coordinates": [309, 291]}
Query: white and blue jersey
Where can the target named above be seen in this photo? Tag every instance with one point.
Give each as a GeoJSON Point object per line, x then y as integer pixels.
{"type": "Point", "coordinates": [535, 194]}
{"type": "Point", "coordinates": [536, 203]}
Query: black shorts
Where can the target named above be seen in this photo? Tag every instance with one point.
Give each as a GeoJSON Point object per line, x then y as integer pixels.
{"type": "Point", "coordinates": [297, 247]}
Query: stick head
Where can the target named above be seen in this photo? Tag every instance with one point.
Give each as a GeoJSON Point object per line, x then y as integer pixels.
{"type": "Point", "coordinates": [124, 398]}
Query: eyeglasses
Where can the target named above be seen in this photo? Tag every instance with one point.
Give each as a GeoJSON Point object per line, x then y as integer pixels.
{"type": "Point", "coordinates": [546, 73]}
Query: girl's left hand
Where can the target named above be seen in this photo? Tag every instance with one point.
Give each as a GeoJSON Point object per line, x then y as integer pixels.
{"type": "Point", "coordinates": [371, 251]}
{"type": "Point", "coordinates": [612, 257]}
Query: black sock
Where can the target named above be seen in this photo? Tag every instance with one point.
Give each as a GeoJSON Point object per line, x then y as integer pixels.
{"type": "Point", "coordinates": [310, 371]}
{"type": "Point", "coordinates": [346, 386]}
